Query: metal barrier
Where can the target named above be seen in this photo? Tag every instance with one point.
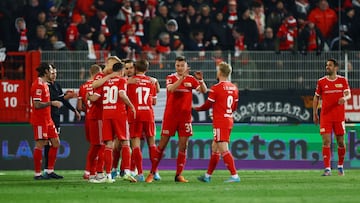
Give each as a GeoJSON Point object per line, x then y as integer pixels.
{"type": "Point", "coordinates": [251, 70]}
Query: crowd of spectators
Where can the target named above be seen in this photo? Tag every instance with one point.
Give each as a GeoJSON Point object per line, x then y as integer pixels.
{"type": "Point", "coordinates": [133, 27]}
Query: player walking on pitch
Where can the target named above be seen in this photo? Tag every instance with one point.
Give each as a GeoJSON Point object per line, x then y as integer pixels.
{"type": "Point", "coordinates": [223, 98]}
{"type": "Point", "coordinates": [333, 90]}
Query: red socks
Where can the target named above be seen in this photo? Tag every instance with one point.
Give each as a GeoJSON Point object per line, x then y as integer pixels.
{"type": "Point", "coordinates": [214, 159]}
{"type": "Point", "coordinates": [180, 163]}
{"type": "Point", "coordinates": [326, 156]}
{"type": "Point", "coordinates": [229, 162]}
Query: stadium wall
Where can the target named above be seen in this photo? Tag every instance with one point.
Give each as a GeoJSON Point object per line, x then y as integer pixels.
{"type": "Point", "coordinates": [260, 146]}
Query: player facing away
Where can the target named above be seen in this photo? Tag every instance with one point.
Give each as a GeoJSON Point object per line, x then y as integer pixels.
{"type": "Point", "coordinates": [115, 122]}
{"type": "Point", "coordinates": [177, 115]}
{"type": "Point", "coordinates": [142, 94]}
{"type": "Point", "coordinates": [333, 90]}
{"type": "Point", "coordinates": [128, 72]}
{"type": "Point", "coordinates": [93, 125]}
{"type": "Point", "coordinates": [99, 79]}
{"type": "Point", "coordinates": [43, 126]}
{"type": "Point", "coordinates": [223, 98]}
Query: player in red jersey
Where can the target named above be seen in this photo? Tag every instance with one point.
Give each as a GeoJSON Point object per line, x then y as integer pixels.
{"type": "Point", "coordinates": [333, 90]}
{"type": "Point", "coordinates": [43, 126]}
{"type": "Point", "coordinates": [99, 80]}
{"type": "Point", "coordinates": [223, 98]}
{"type": "Point", "coordinates": [177, 115]}
{"type": "Point", "coordinates": [92, 123]}
{"type": "Point", "coordinates": [142, 94]}
{"type": "Point", "coordinates": [128, 72]}
{"type": "Point", "coordinates": [115, 100]}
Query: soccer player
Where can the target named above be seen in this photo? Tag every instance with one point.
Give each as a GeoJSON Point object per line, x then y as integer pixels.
{"type": "Point", "coordinates": [56, 93]}
{"type": "Point", "coordinates": [115, 100]}
{"type": "Point", "coordinates": [223, 98]}
{"type": "Point", "coordinates": [128, 72]}
{"type": "Point", "coordinates": [142, 94]}
{"type": "Point", "coordinates": [177, 114]}
{"type": "Point", "coordinates": [93, 124]}
{"type": "Point", "coordinates": [43, 125]}
{"type": "Point", "coordinates": [333, 90]}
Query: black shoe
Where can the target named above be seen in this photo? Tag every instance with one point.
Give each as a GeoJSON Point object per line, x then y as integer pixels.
{"type": "Point", "coordinates": [122, 173]}
{"type": "Point", "coordinates": [53, 175]}
{"type": "Point", "coordinates": [40, 177]}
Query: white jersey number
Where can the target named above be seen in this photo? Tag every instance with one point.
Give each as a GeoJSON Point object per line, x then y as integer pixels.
{"type": "Point", "coordinates": [111, 94]}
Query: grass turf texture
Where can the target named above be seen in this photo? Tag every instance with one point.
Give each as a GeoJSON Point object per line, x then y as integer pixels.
{"type": "Point", "coordinates": [255, 186]}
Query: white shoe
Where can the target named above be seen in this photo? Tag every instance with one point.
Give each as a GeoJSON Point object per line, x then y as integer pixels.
{"type": "Point", "coordinates": [100, 178]}
{"type": "Point", "coordinates": [129, 178]}
{"type": "Point", "coordinates": [109, 179]}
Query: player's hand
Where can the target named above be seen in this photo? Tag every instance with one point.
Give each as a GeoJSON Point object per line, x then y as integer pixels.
{"type": "Point", "coordinates": [134, 111]}
{"type": "Point", "coordinates": [341, 101]}
{"type": "Point", "coordinates": [77, 115]}
{"type": "Point", "coordinates": [132, 80]}
{"type": "Point", "coordinates": [70, 94]}
{"type": "Point", "coordinates": [186, 72]}
{"type": "Point", "coordinates": [199, 75]}
{"type": "Point", "coordinates": [57, 104]}
{"type": "Point", "coordinates": [316, 118]}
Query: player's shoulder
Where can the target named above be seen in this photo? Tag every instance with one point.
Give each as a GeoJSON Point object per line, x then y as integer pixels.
{"type": "Point", "coordinates": [99, 75]}
{"type": "Point", "coordinates": [340, 77]}
{"type": "Point", "coordinates": [324, 78]}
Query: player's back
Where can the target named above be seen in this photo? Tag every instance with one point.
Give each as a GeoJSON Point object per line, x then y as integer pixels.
{"type": "Point", "coordinates": [113, 106]}
{"type": "Point", "coordinates": [225, 97]}
{"type": "Point", "coordinates": [141, 95]}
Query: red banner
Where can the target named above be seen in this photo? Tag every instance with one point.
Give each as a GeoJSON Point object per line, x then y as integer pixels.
{"type": "Point", "coordinates": [352, 107]}
{"type": "Point", "coordinates": [13, 105]}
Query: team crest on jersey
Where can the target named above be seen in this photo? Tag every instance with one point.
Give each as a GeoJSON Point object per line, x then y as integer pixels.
{"type": "Point", "coordinates": [338, 85]}
{"type": "Point", "coordinates": [187, 84]}
{"type": "Point", "coordinates": [38, 92]}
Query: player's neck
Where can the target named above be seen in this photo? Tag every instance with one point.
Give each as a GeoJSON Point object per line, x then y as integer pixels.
{"type": "Point", "coordinates": [332, 77]}
{"type": "Point", "coordinates": [223, 79]}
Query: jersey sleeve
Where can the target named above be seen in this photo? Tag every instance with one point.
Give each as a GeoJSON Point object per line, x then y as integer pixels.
{"type": "Point", "coordinates": [38, 91]}
{"type": "Point", "coordinates": [318, 89]}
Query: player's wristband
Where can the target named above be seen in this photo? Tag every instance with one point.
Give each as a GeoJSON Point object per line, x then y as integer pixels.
{"type": "Point", "coordinates": [201, 81]}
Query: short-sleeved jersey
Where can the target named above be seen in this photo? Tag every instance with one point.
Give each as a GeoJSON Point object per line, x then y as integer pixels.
{"type": "Point", "coordinates": [141, 95]}
{"type": "Point", "coordinates": [40, 92]}
{"type": "Point", "coordinates": [224, 96]}
{"type": "Point", "coordinates": [330, 92]}
{"type": "Point", "coordinates": [113, 106]}
{"type": "Point", "coordinates": [93, 109]}
{"type": "Point", "coordinates": [179, 103]}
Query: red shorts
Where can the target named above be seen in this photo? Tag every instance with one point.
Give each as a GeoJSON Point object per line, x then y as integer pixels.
{"type": "Point", "coordinates": [44, 132]}
{"type": "Point", "coordinates": [328, 127]}
{"type": "Point", "coordinates": [169, 128]}
{"type": "Point", "coordinates": [142, 129]}
{"type": "Point", "coordinates": [115, 127]}
{"type": "Point", "coordinates": [222, 134]}
{"type": "Point", "coordinates": [95, 132]}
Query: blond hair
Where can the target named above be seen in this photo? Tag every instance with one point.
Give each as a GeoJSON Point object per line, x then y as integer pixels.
{"type": "Point", "coordinates": [225, 69]}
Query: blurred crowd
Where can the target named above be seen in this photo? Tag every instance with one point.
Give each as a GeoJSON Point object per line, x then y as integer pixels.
{"type": "Point", "coordinates": [133, 27]}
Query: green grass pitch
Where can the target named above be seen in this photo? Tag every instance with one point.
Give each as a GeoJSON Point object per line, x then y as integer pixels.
{"type": "Point", "coordinates": [256, 186]}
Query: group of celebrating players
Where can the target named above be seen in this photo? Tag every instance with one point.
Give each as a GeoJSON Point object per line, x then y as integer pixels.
{"type": "Point", "coordinates": [118, 100]}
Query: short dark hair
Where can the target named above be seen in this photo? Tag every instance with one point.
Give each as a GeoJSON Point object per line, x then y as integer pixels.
{"type": "Point", "coordinates": [117, 67]}
{"type": "Point", "coordinates": [127, 61]}
{"type": "Point", "coordinates": [142, 65]}
{"type": "Point", "coordinates": [180, 58]}
{"type": "Point", "coordinates": [42, 69]}
{"type": "Point", "coordinates": [336, 64]}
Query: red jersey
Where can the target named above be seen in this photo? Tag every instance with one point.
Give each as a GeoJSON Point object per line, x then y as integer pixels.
{"type": "Point", "coordinates": [141, 96]}
{"type": "Point", "coordinates": [179, 102]}
{"type": "Point", "coordinates": [330, 92]}
{"type": "Point", "coordinates": [113, 106]}
{"type": "Point", "coordinates": [40, 92]}
{"type": "Point", "coordinates": [224, 96]}
{"type": "Point", "coordinates": [93, 109]}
